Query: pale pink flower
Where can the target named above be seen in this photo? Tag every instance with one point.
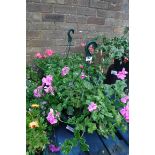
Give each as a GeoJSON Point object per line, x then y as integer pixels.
{"type": "Point", "coordinates": [44, 56]}
{"type": "Point", "coordinates": [57, 114]}
{"type": "Point", "coordinates": [52, 111]}
{"type": "Point", "coordinates": [49, 52]}
{"type": "Point", "coordinates": [82, 76]}
{"type": "Point", "coordinates": [47, 80]}
{"type": "Point", "coordinates": [37, 91]}
{"type": "Point", "coordinates": [81, 66]}
{"type": "Point", "coordinates": [92, 106]}
{"type": "Point", "coordinates": [83, 44]}
{"type": "Point", "coordinates": [65, 71]}
{"type": "Point", "coordinates": [49, 89]}
{"type": "Point", "coordinates": [125, 112]}
{"type": "Point", "coordinates": [54, 148]}
{"type": "Point", "coordinates": [51, 118]}
{"type": "Point", "coordinates": [122, 74]}
{"type": "Point", "coordinates": [38, 55]}
{"type": "Point", "coordinates": [125, 99]}
{"type": "Point", "coordinates": [81, 36]}
{"type": "Point", "coordinates": [126, 60]}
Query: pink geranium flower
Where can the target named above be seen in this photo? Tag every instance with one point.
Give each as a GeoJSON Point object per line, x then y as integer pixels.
{"type": "Point", "coordinates": [57, 114]}
{"type": "Point", "coordinates": [47, 80]}
{"type": "Point", "coordinates": [122, 74]}
{"type": "Point", "coordinates": [51, 118]}
{"type": "Point", "coordinates": [37, 91]}
{"type": "Point", "coordinates": [49, 89]}
{"type": "Point", "coordinates": [83, 44]}
{"type": "Point", "coordinates": [92, 106]}
{"type": "Point", "coordinates": [81, 66]}
{"type": "Point", "coordinates": [65, 71]}
{"type": "Point", "coordinates": [38, 55]}
{"type": "Point", "coordinates": [82, 76]}
{"type": "Point", "coordinates": [125, 99]}
{"type": "Point", "coordinates": [49, 52]}
{"type": "Point", "coordinates": [54, 148]}
{"type": "Point", "coordinates": [125, 112]}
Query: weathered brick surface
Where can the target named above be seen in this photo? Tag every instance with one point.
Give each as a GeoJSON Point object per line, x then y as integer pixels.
{"type": "Point", "coordinates": [64, 27]}
{"type": "Point", "coordinates": [86, 11]}
{"type": "Point", "coordinates": [76, 19]}
{"type": "Point", "coordinates": [99, 4]}
{"type": "Point", "coordinates": [33, 17]}
{"type": "Point", "coordinates": [40, 43]}
{"type": "Point", "coordinates": [112, 14]}
{"type": "Point", "coordinates": [77, 2]}
{"type": "Point", "coordinates": [114, 6]}
{"type": "Point", "coordinates": [65, 9]}
{"type": "Point", "coordinates": [52, 17]}
{"type": "Point", "coordinates": [40, 26]}
{"type": "Point", "coordinates": [95, 20]}
{"type": "Point", "coordinates": [48, 21]}
{"type": "Point", "coordinates": [48, 1]}
{"type": "Point", "coordinates": [39, 7]}
{"type": "Point", "coordinates": [33, 35]}
{"type": "Point", "coordinates": [52, 34]}
{"type": "Point", "coordinates": [118, 30]}
{"type": "Point", "coordinates": [33, 1]}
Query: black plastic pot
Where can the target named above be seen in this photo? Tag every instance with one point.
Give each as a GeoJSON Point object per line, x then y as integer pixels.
{"type": "Point", "coordinates": [117, 66]}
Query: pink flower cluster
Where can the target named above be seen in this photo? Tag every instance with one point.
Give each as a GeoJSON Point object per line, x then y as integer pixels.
{"type": "Point", "coordinates": [125, 112]}
{"type": "Point", "coordinates": [81, 66]}
{"type": "Point", "coordinates": [92, 106]}
{"type": "Point", "coordinates": [125, 99]}
{"type": "Point", "coordinates": [51, 118]}
{"type": "Point", "coordinates": [122, 74]}
{"type": "Point", "coordinates": [47, 80]}
{"type": "Point", "coordinates": [38, 91]}
{"type": "Point", "coordinates": [82, 75]}
{"type": "Point", "coordinates": [47, 53]}
{"type": "Point", "coordinates": [54, 148]}
{"type": "Point", "coordinates": [49, 89]}
{"type": "Point", "coordinates": [65, 71]}
{"type": "Point", "coordinates": [83, 44]}
{"type": "Point", "coordinates": [46, 86]}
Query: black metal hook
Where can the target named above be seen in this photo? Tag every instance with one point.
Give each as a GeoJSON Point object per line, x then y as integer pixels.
{"type": "Point", "coordinates": [69, 35]}
{"type": "Point", "coordinates": [69, 40]}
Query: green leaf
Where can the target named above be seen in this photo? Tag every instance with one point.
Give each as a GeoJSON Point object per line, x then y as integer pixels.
{"type": "Point", "coordinates": [80, 127]}
{"type": "Point", "coordinates": [87, 84]}
{"type": "Point", "coordinates": [83, 145]}
{"type": "Point", "coordinates": [92, 127]}
{"type": "Point", "coordinates": [77, 134]}
{"type": "Point", "coordinates": [70, 110]}
{"type": "Point", "coordinates": [94, 116]}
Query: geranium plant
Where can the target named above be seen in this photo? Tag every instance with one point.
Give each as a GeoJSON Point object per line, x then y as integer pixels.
{"type": "Point", "coordinates": [69, 91]}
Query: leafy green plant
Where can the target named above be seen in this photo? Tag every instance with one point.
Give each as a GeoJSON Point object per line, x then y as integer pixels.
{"type": "Point", "coordinates": [36, 135]}
{"type": "Point", "coordinates": [72, 92]}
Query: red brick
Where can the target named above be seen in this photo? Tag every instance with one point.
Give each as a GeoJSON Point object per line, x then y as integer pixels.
{"type": "Point", "coordinates": [86, 11]}
{"type": "Point", "coordinates": [39, 7]}
{"type": "Point", "coordinates": [65, 9]}
{"type": "Point", "coordinates": [95, 20]}
{"type": "Point", "coordinates": [52, 17]}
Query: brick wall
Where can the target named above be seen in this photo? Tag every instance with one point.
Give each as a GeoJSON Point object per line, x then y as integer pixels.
{"type": "Point", "coordinates": [49, 20]}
